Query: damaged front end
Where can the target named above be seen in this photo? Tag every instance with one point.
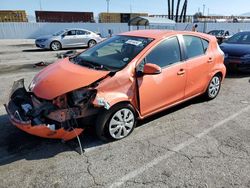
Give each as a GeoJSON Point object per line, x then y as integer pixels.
{"type": "Point", "coordinates": [61, 118]}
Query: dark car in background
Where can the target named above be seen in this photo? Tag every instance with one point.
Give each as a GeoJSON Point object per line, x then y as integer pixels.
{"type": "Point", "coordinates": [221, 35]}
{"type": "Point", "coordinates": [237, 51]}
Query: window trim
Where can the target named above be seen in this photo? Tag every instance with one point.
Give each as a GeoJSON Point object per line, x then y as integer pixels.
{"type": "Point", "coordinates": [185, 48]}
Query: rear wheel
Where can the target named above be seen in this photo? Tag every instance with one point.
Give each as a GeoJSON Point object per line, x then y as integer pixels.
{"type": "Point", "coordinates": [55, 45]}
{"type": "Point", "coordinates": [213, 87]}
{"type": "Point", "coordinates": [91, 43]}
{"type": "Point", "coordinates": [116, 123]}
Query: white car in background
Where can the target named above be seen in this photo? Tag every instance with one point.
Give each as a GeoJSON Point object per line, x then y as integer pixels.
{"type": "Point", "coordinates": [68, 38]}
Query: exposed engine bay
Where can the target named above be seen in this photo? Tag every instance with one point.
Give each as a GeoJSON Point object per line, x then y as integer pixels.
{"type": "Point", "coordinates": [63, 117]}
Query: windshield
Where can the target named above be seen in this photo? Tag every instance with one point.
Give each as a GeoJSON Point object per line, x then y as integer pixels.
{"type": "Point", "coordinates": [58, 33]}
{"type": "Point", "coordinates": [216, 32]}
{"type": "Point", "coordinates": [112, 54]}
{"type": "Point", "coordinates": [241, 38]}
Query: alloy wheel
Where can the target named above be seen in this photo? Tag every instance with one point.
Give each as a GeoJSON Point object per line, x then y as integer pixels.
{"type": "Point", "coordinates": [214, 87]}
{"type": "Point", "coordinates": [121, 123]}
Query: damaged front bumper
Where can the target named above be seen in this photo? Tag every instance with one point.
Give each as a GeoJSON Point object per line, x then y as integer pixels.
{"type": "Point", "coordinates": [21, 114]}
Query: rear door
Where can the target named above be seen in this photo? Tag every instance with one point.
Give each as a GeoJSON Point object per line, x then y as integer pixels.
{"type": "Point", "coordinates": [198, 60]}
{"type": "Point", "coordinates": [82, 37]}
{"type": "Point", "coordinates": [159, 91]}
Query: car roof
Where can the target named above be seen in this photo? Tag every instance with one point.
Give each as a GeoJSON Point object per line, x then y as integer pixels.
{"type": "Point", "coordinates": [158, 34]}
{"type": "Point", "coordinates": [67, 29]}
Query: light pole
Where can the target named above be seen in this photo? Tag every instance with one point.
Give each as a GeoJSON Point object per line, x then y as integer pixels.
{"type": "Point", "coordinates": [204, 6]}
{"type": "Point", "coordinates": [40, 3]}
{"type": "Point", "coordinates": [108, 5]}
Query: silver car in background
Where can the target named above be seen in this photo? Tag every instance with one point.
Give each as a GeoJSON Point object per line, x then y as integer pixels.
{"type": "Point", "coordinates": [68, 38]}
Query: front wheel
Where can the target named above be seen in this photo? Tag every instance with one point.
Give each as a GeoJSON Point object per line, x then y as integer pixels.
{"type": "Point", "coordinates": [55, 45]}
{"type": "Point", "coordinates": [213, 87]}
{"type": "Point", "coordinates": [116, 123]}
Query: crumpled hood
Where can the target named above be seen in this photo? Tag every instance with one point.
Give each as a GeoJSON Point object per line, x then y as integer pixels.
{"type": "Point", "coordinates": [62, 77]}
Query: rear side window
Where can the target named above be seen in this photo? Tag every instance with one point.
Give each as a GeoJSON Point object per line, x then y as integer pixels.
{"type": "Point", "coordinates": [81, 32]}
{"type": "Point", "coordinates": [194, 46]}
{"type": "Point", "coordinates": [166, 53]}
{"type": "Point", "coordinates": [205, 44]}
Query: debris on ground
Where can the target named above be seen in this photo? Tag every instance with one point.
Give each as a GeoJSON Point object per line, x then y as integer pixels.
{"type": "Point", "coordinates": [69, 53]}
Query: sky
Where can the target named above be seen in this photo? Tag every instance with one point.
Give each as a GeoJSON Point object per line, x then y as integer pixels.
{"type": "Point", "coordinates": [219, 7]}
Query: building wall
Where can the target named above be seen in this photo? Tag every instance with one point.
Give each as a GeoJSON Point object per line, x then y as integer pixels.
{"type": "Point", "coordinates": [13, 16]}
{"type": "Point", "coordinates": [57, 16]}
{"type": "Point", "coordinates": [118, 17]}
{"type": "Point", "coordinates": [34, 30]}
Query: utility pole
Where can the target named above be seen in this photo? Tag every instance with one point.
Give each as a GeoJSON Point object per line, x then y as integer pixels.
{"type": "Point", "coordinates": [169, 9]}
{"type": "Point", "coordinates": [108, 5]}
{"type": "Point", "coordinates": [40, 3]}
{"type": "Point", "coordinates": [172, 13]}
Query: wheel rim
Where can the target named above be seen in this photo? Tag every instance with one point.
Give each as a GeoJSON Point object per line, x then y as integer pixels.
{"type": "Point", "coordinates": [55, 46]}
{"type": "Point", "coordinates": [92, 43]}
{"type": "Point", "coordinates": [214, 87]}
{"type": "Point", "coordinates": [121, 123]}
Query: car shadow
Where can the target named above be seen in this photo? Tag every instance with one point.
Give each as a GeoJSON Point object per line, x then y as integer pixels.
{"type": "Point", "coordinates": [16, 145]}
{"type": "Point", "coordinates": [196, 100]}
{"type": "Point", "coordinates": [48, 50]}
{"type": "Point", "coordinates": [242, 73]}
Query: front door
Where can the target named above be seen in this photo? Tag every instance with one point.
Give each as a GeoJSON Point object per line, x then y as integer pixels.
{"type": "Point", "coordinates": [69, 39]}
{"type": "Point", "coordinates": [159, 91]}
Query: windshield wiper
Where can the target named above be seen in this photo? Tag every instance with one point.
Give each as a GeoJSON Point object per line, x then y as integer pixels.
{"type": "Point", "coordinates": [90, 64]}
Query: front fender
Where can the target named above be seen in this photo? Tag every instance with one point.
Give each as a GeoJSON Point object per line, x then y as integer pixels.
{"type": "Point", "coordinates": [109, 99]}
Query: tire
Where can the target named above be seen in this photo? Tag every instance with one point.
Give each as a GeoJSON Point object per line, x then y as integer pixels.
{"type": "Point", "coordinates": [91, 43]}
{"type": "Point", "coordinates": [55, 45]}
{"type": "Point", "coordinates": [213, 88]}
{"type": "Point", "coordinates": [111, 125]}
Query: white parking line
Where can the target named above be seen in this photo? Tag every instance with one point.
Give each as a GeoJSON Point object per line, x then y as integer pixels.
{"type": "Point", "coordinates": [179, 147]}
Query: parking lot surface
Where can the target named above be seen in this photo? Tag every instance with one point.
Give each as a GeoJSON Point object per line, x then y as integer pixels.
{"type": "Point", "coordinates": [196, 144]}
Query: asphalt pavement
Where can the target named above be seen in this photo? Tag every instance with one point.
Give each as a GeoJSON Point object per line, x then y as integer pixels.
{"type": "Point", "coordinates": [196, 144]}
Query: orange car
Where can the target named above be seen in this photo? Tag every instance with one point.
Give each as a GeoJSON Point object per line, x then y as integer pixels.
{"type": "Point", "coordinates": [113, 84]}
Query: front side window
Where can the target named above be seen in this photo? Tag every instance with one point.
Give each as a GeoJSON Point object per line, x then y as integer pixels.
{"type": "Point", "coordinates": [194, 46]}
{"type": "Point", "coordinates": [112, 54]}
{"type": "Point", "coordinates": [166, 53]}
{"type": "Point", "coordinates": [72, 32]}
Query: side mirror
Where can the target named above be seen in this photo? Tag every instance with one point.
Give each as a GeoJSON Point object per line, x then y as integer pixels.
{"type": "Point", "coordinates": [151, 69]}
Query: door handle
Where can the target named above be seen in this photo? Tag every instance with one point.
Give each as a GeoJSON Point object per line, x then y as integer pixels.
{"type": "Point", "coordinates": [181, 72]}
{"type": "Point", "coordinates": [210, 60]}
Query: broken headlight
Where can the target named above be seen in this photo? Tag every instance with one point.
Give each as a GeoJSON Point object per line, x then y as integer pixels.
{"type": "Point", "coordinates": [82, 96]}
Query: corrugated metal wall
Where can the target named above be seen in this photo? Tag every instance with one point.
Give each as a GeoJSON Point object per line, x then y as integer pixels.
{"type": "Point", "coordinates": [34, 30]}
{"type": "Point", "coordinates": [206, 27]}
